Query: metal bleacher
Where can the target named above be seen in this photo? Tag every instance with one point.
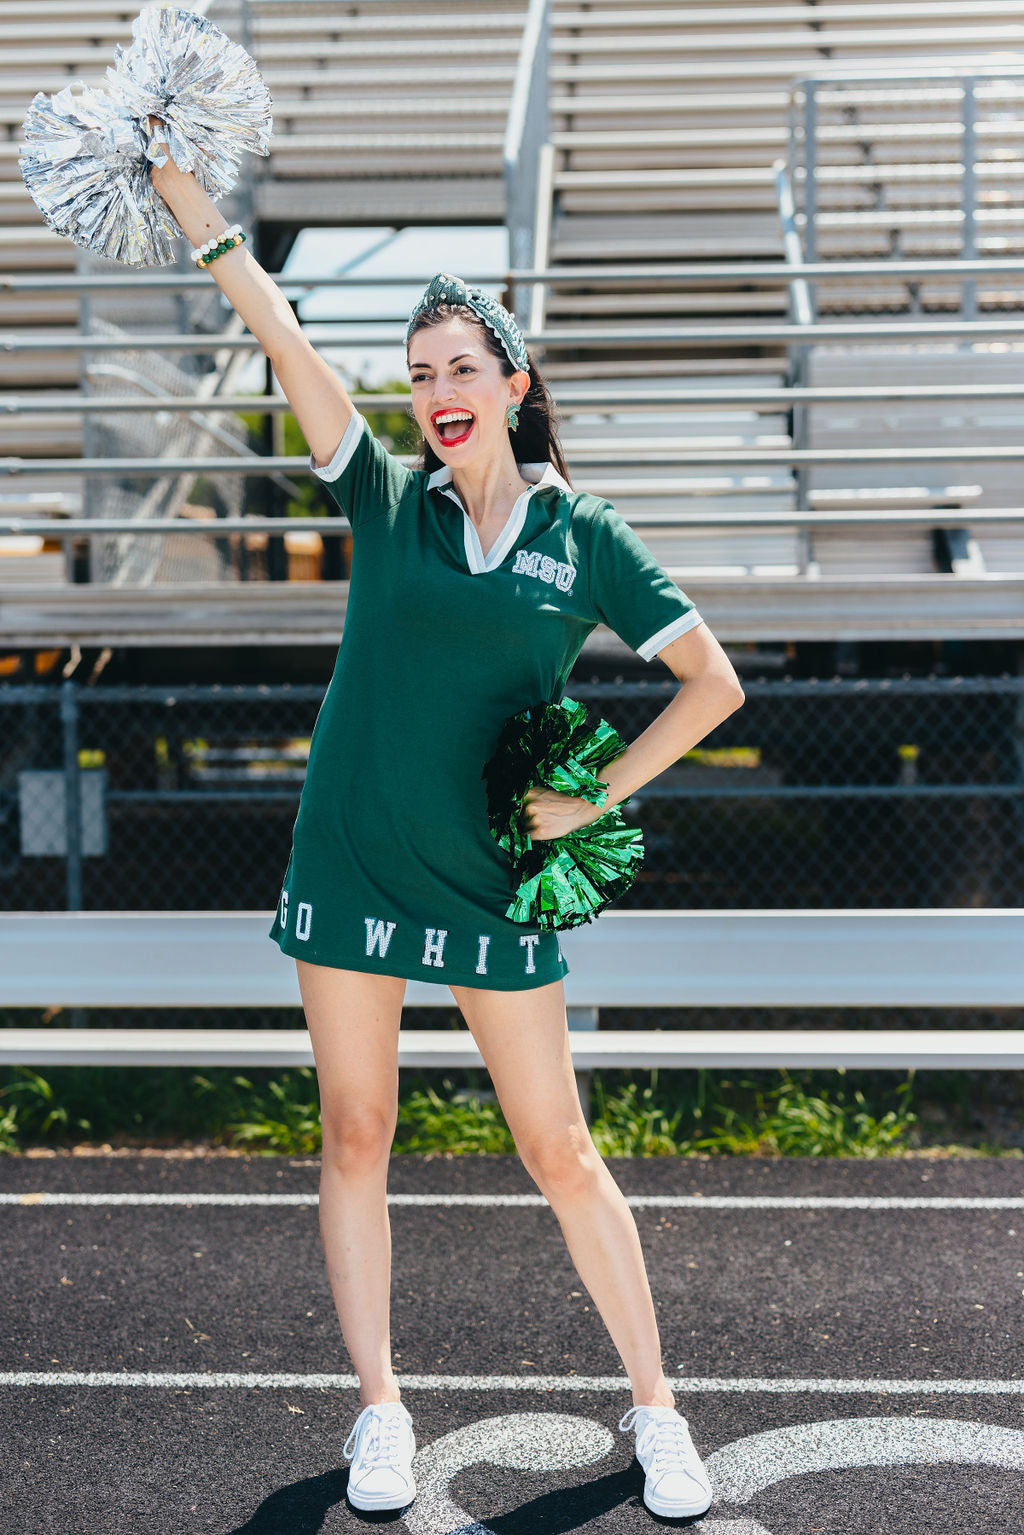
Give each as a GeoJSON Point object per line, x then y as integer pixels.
{"type": "Point", "coordinates": [670, 127]}
{"type": "Point", "coordinates": [338, 157]}
{"type": "Point", "coordinates": [642, 157]}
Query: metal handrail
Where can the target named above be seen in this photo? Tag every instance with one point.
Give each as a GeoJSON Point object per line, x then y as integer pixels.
{"type": "Point", "coordinates": [801, 308]}
{"type": "Point", "coordinates": [527, 130]}
{"type": "Point", "coordinates": [806, 87]}
{"type": "Point", "coordinates": [931, 517]}
{"type": "Point", "coordinates": [914, 71]}
{"type": "Point", "coordinates": [980, 453]}
{"type": "Point", "coordinates": [674, 272]}
{"type": "Point", "coordinates": [626, 335]}
{"type": "Point", "coordinates": [774, 397]}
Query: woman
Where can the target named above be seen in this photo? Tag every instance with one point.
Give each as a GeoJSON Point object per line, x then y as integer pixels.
{"type": "Point", "coordinates": [475, 580]}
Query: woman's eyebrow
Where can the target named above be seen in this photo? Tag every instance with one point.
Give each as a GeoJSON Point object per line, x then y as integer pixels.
{"type": "Point", "coordinates": [450, 361]}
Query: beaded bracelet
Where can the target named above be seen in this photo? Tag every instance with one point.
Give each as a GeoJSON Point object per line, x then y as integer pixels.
{"type": "Point", "coordinates": [203, 254]}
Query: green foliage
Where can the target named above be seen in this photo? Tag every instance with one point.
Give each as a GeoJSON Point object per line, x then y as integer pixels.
{"type": "Point", "coordinates": [633, 1114]}
{"type": "Point", "coordinates": [461, 1123]}
{"type": "Point", "coordinates": [36, 1104]}
{"type": "Point", "coordinates": [395, 428]}
{"type": "Point", "coordinates": [151, 1106]}
{"type": "Point", "coordinates": [9, 1130]}
{"type": "Point", "coordinates": [789, 1121]}
{"type": "Point", "coordinates": [632, 1123]}
{"type": "Point", "coordinates": [271, 1118]}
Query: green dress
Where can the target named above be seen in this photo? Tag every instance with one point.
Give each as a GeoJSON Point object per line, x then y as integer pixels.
{"type": "Point", "coordinates": [393, 869]}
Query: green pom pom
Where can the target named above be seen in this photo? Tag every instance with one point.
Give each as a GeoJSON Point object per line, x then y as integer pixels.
{"type": "Point", "coordinates": [562, 881]}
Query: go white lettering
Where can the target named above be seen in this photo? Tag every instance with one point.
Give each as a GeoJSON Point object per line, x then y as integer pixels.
{"type": "Point", "coordinates": [376, 937]}
{"type": "Point", "coordinates": [530, 939]}
{"type": "Point", "coordinates": [303, 917]}
{"type": "Point", "coordinates": [433, 946]}
{"type": "Point", "coordinates": [379, 933]}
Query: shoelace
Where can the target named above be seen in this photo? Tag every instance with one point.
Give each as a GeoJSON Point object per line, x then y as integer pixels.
{"type": "Point", "coordinates": [383, 1430]}
{"type": "Point", "coordinates": [669, 1431]}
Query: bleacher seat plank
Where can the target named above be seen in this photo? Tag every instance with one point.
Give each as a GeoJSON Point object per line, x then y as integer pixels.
{"type": "Point", "coordinates": [889, 1049]}
{"type": "Point", "coordinates": [939, 957]}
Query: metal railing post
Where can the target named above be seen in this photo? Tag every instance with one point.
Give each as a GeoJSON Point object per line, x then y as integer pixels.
{"type": "Point", "coordinates": [580, 1019]}
{"type": "Point", "coordinates": [968, 195]}
{"type": "Point", "coordinates": [79, 556]}
{"type": "Point", "coordinates": [537, 304]}
{"type": "Point", "coordinates": [810, 239]}
{"type": "Point", "coordinates": [72, 794]}
{"type": "Point", "coordinates": [1017, 749]}
{"type": "Point", "coordinates": [801, 312]}
{"type": "Point", "coordinates": [526, 131]}
{"type": "Point", "coordinates": [237, 22]}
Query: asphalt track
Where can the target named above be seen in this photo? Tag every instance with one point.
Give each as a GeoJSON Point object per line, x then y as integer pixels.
{"type": "Point", "coordinates": [848, 1354]}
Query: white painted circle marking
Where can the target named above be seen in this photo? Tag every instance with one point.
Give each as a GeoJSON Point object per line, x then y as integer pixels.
{"type": "Point", "coordinates": [520, 1441]}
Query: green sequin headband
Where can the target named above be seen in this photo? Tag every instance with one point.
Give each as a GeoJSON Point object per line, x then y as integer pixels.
{"type": "Point", "coordinates": [445, 289]}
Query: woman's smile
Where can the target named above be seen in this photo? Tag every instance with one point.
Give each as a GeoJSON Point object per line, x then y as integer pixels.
{"type": "Point", "coordinates": [453, 425]}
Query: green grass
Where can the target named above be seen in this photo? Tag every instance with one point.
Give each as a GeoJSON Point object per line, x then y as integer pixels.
{"type": "Point", "coordinates": [312, 499]}
{"type": "Point", "coordinates": [766, 1113]}
{"type": "Point", "coordinates": [788, 1120]}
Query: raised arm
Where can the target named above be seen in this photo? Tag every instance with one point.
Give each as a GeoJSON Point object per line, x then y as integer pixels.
{"type": "Point", "coordinates": [320, 401]}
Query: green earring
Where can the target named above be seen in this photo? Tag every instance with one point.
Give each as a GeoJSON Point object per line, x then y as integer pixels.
{"type": "Point", "coordinates": [512, 416]}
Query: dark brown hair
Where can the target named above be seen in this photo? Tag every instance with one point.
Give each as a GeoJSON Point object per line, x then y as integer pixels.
{"type": "Point", "coordinates": [535, 439]}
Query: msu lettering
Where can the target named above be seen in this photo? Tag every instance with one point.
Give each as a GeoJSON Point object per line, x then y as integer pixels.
{"type": "Point", "coordinates": [532, 563]}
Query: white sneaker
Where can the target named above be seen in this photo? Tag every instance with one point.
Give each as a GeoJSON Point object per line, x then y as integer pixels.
{"type": "Point", "coordinates": [381, 1447]}
{"type": "Point", "coordinates": [677, 1483]}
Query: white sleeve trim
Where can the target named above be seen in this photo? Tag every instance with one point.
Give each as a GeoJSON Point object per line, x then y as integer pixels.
{"type": "Point", "coordinates": [343, 452]}
{"type": "Point", "coordinates": [649, 649]}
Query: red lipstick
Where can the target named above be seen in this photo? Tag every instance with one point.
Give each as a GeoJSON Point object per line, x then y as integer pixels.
{"type": "Point", "coordinates": [450, 442]}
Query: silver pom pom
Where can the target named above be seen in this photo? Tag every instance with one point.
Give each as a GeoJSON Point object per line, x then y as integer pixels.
{"type": "Point", "coordinates": [86, 159]}
{"type": "Point", "coordinates": [205, 88]}
{"type": "Point", "coordinates": [84, 163]}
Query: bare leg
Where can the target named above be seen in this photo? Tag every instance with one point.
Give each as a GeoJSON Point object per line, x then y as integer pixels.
{"type": "Point", "coordinates": [524, 1040]}
{"type": "Point", "coordinates": [353, 1020]}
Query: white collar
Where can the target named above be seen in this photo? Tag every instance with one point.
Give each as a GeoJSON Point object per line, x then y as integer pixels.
{"type": "Point", "coordinates": [538, 474]}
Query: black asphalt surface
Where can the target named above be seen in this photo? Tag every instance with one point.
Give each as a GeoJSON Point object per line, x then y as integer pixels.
{"type": "Point", "coordinates": [848, 1371]}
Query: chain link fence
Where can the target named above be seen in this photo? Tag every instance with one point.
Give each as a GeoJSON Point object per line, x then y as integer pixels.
{"type": "Point", "coordinates": [837, 793]}
{"type": "Point", "coordinates": [816, 793]}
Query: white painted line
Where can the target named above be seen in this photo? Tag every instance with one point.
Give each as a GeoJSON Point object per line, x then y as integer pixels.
{"type": "Point", "coordinates": [742, 1469]}
{"type": "Point", "coordinates": [236, 1380]}
{"type": "Point", "coordinates": [638, 1201]}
